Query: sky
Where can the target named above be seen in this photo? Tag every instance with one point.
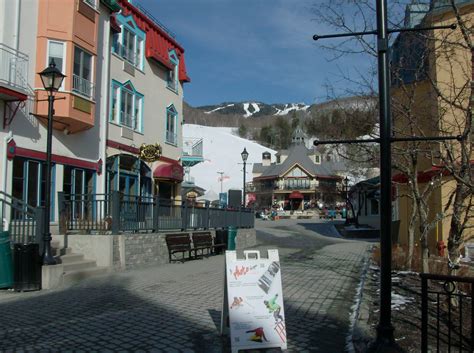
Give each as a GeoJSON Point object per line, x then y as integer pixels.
{"type": "Point", "coordinates": [252, 50]}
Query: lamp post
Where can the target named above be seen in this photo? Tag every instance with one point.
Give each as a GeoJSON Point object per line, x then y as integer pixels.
{"type": "Point", "coordinates": [346, 189]}
{"type": "Point", "coordinates": [52, 79]}
{"type": "Point", "coordinates": [244, 155]}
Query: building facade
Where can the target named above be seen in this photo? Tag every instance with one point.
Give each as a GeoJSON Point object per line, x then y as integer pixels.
{"type": "Point", "coordinates": [123, 89]}
{"type": "Point", "coordinates": [430, 74]}
{"type": "Point", "coordinates": [299, 177]}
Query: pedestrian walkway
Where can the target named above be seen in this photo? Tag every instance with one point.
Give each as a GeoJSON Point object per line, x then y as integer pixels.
{"type": "Point", "coordinates": [177, 307]}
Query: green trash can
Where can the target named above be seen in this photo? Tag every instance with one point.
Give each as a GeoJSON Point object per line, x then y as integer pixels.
{"type": "Point", "coordinates": [231, 238]}
{"type": "Point", "coordinates": [6, 264]}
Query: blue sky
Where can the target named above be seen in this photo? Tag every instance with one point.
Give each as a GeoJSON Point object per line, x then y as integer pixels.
{"type": "Point", "coordinates": [259, 50]}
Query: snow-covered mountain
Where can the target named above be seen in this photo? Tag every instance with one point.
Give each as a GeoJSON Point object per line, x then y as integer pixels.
{"type": "Point", "coordinates": [254, 109]}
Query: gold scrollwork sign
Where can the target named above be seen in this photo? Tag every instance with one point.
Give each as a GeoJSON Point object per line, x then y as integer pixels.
{"type": "Point", "coordinates": [150, 153]}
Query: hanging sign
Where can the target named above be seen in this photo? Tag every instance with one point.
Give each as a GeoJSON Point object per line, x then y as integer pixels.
{"type": "Point", "coordinates": [254, 301]}
{"type": "Point", "coordinates": [150, 153]}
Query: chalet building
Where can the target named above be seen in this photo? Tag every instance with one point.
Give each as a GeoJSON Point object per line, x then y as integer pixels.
{"type": "Point", "coordinates": [299, 177]}
{"type": "Point", "coordinates": [123, 89]}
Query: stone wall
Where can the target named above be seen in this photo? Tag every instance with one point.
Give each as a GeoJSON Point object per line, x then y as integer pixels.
{"type": "Point", "coordinates": [128, 251]}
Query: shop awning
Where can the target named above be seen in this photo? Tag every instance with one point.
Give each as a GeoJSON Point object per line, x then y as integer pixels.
{"type": "Point", "coordinates": [296, 195]}
{"type": "Point", "coordinates": [169, 171]}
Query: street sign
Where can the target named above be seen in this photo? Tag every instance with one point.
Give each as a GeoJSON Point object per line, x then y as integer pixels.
{"type": "Point", "coordinates": [254, 301]}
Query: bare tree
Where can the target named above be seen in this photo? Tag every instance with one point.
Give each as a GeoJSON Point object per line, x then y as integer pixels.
{"type": "Point", "coordinates": [450, 102]}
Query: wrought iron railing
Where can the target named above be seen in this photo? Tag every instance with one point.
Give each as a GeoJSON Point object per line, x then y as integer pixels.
{"type": "Point", "coordinates": [23, 222]}
{"type": "Point", "coordinates": [192, 147]}
{"type": "Point", "coordinates": [82, 86]}
{"type": "Point", "coordinates": [447, 317]}
{"type": "Point", "coordinates": [13, 68]}
{"type": "Point", "coordinates": [128, 120]}
{"type": "Point", "coordinates": [117, 213]}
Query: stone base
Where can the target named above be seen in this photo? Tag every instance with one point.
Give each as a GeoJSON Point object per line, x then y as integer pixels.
{"type": "Point", "coordinates": [51, 276]}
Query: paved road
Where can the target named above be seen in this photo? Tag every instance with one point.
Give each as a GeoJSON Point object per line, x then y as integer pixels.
{"type": "Point", "coordinates": [177, 307]}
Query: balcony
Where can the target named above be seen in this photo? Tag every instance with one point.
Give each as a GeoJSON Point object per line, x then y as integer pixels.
{"type": "Point", "coordinates": [13, 74]}
{"type": "Point", "coordinates": [128, 120]}
{"type": "Point", "coordinates": [192, 151]}
{"type": "Point", "coordinates": [83, 87]}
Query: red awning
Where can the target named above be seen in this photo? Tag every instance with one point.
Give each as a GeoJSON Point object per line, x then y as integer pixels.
{"type": "Point", "coordinates": [170, 171]}
{"type": "Point", "coordinates": [296, 195]}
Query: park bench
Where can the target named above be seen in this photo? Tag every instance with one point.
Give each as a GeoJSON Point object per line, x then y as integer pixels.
{"type": "Point", "coordinates": [203, 241]}
{"type": "Point", "coordinates": [179, 243]}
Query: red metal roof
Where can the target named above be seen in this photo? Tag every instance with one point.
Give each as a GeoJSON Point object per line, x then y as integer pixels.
{"type": "Point", "coordinates": [158, 42]}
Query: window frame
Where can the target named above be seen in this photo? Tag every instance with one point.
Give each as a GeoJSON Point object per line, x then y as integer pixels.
{"type": "Point", "coordinates": [64, 44]}
{"type": "Point", "coordinates": [172, 81]}
{"type": "Point", "coordinates": [119, 89]}
{"type": "Point", "coordinates": [128, 24]}
{"type": "Point", "coordinates": [88, 3]}
{"type": "Point", "coordinates": [171, 110]}
{"type": "Point", "coordinates": [91, 72]}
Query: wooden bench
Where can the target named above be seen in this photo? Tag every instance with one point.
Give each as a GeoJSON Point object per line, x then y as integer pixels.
{"type": "Point", "coordinates": [179, 243]}
{"type": "Point", "coordinates": [203, 241]}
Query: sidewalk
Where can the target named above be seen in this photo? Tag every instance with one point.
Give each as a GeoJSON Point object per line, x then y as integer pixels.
{"type": "Point", "coordinates": [177, 307]}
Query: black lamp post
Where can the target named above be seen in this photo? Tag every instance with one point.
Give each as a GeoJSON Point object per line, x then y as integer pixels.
{"type": "Point", "coordinates": [346, 190]}
{"type": "Point", "coordinates": [244, 155]}
{"type": "Point", "coordinates": [52, 79]}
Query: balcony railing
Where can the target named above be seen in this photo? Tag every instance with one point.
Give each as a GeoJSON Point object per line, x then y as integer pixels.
{"type": "Point", "coordinates": [13, 68]}
{"type": "Point", "coordinates": [83, 86]}
{"type": "Point", "coordinates": [171, 137]}
{"type": "Point", "coordinates": [192, 147]}
{"type": "Point", "coordinates": [128, 120]}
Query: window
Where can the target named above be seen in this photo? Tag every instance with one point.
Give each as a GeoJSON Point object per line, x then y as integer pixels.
{"type": "Point", "coordinates": [57, 52]}
{"type": "Point", "coordinates": [173, 72]}
{"type": "Point", "coordinates": [171, 128]}
{"type": "Point", "coordinates": [91, 3]}
{"type": "Point", "coordinates": [126, 106]}
{"type": "Point", "coordinates": [317, 159]}
{"type": "Point", "coordinates": [29, 182]}
{"type": "Point", "coordinates": [128, 44]}
{"type": "Point", "coordinates": [82, 75]}
{"type": "Point", "coordinates": [296, 173]}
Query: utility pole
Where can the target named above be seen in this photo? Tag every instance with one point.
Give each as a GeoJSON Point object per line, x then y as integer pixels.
{"type": "Point", "coordinates": [221, 178]}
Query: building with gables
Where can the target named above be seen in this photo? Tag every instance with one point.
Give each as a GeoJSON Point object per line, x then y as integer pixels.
{"type": "Point", "coordinates": [299, 176]}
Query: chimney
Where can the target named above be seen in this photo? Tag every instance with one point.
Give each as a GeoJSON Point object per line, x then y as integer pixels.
{"type": "Point", "coordinates": [266, 159]}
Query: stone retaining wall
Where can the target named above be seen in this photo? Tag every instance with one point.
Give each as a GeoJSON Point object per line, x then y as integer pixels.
{"type": "Point", "coordinates": [128, 251]}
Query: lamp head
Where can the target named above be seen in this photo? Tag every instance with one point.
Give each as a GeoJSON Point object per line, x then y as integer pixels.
{"type": "Point", "coordinates": [51, 77]}
{"type": "Point", "coordinates": [244, 155]}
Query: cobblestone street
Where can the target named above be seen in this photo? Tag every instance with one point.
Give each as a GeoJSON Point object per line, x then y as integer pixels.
{"type": "Point", "coordinates": [177, 307]}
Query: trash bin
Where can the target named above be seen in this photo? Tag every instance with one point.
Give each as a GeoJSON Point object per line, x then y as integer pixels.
{"type": "Point", "coordinates": [231, 238]}
{"type": "Point", "coordinates": [6, 268]}
{"type": "Point", "coordinates": [221, 238]}
{"type": "Point", "coordinates": [26, 267]}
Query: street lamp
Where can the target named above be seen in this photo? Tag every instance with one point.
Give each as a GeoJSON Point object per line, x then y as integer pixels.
{"type": "Point", "coordinates": [346, 189]}
{"type": "Point", "coordinates": [244, 155]}
{"type": "Point", "coordinates": [52, 79]}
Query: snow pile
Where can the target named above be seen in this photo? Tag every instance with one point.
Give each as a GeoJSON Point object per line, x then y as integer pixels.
{"type": "Point", "coordinates": [221, 149]}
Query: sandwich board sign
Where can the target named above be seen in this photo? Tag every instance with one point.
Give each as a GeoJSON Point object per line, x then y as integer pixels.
{"type": "Point", "coordinates": [253, 301]}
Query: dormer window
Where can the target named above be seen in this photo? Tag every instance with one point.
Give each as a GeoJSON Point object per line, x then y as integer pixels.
{"type": "Point", "coordinates": [128, 44]}
{"type": "Point", "coordinates": [317, 159]}
{"type": "Point", "coordinates": [173, 72]}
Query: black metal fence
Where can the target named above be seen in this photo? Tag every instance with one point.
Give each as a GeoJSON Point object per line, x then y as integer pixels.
{"type": "Point", "coordinates": [24, 223]}
{"type": "Point", "coordinates": [117, 213]}
{"type": "Point", "coordinates": [447, 313]}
